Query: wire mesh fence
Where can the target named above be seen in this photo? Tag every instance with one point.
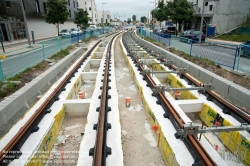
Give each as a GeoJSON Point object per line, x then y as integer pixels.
{"type": "Point", "coordinates": [17, 60]}
{"type": "Point", "coordinates": [228, 55]}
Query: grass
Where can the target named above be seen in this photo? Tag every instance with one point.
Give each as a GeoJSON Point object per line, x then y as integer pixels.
{"type": "Point", "coordinates": [61, 54]}
{"type": "Point", "coordinates": [235, 37]}
{"type": "Point", "coordinates": [207, 61]}
{"type": "Point", "coordinates": [151, 40]}
{"type": "Point", "coordinates": [7, 88]}
{"type": "Point", "coordinates": [90, 38]}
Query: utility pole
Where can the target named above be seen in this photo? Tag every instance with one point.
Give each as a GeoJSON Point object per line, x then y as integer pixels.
{"type": "Point", "coordinates": [25, 22]}
{"type": "Point", "coordinates": [24, 18]}
{"type": "Point", "coordinates": [92, 13]}
{"type": "Point", "coordinates": [103, 15]}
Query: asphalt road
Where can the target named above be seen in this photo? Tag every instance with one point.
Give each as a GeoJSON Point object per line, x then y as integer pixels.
{"type": "Point", "coordinates": [19, 62]}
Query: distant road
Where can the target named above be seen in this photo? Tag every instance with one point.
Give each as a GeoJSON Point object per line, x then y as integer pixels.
{"type": "Point", "coordinates": [20, 62]}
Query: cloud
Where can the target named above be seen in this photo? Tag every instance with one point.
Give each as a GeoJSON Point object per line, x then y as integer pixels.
{"type": "Point", "coordinates": [126, 8]}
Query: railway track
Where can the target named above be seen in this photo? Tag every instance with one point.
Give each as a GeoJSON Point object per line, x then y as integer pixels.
{"type": "Point", "coordinates": [101, 150]}
{"type": "Point", "coordinates": [198, 152]}
{"type": "Point", "coordinates": [32, 124]}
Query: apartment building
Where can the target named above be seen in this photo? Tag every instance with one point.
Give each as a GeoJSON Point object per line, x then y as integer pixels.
{"type": "Point", "coordinates": [12, 23]}
{"type": "Point", "coordinates": [224, 14]}
{"type": "Point", "coordinates": [103, 15]}
{"type": "Point", "coordinates": [90, 7]}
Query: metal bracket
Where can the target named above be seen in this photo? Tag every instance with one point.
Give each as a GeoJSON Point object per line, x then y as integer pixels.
{"type": "Point", "coordinates": [180, 71]}
{"type": "Point", "coordinates": [203, 88]}
{"type": "Point", "coordinates": [160, 88]}
{"type": "Point", "coordinates": [194, 129]}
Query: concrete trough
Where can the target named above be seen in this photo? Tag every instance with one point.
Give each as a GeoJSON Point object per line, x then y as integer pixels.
{"type": "Point", "coordinates": [15, 106]}
{"type": "Point", "coordinates": [239, 95]}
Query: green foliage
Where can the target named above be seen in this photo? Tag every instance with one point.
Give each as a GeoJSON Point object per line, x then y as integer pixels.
{"type": "Point", "coordinates": [247, 22]}
{"type": "Point", "coordinates": [89, 38]}
{"type": "Point", "coordinates": [61, 54]}
{"type": "Point", "coordinates": [7, 88]}
{"type": "Point", "coordinates": [143, 19]}
{"type": "Point", "coordinates": [134, 18]}
{"type": "Point", "coordinates": [179, 11]}
{"type": "Point", "coordinates": [207, 61]}
{"type": "Point", "coordinates": [235, 37]}
{"type": "Point", "coordinates": [57, 12]}
{"type": "Point", "coordinates": [81, 18]}
{"type": "Point", "coordinates": [129, 20]}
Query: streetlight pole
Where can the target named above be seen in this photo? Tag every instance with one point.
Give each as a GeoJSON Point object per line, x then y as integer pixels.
{"type": "Point", "coordinates": [152, 14]}
{"type": "Point", "coordinates": [25, 22]}
{"type": "Point", "coordinates": [92, 13]}
{"type": "Point", "coordinates": [202, 17]}
{"type": "Point", "coordinates": [103, 15]}
{"type": "Point", "coordinates": [24, 19]}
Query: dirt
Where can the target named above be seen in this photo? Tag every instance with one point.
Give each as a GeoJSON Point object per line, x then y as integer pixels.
{"type": "Point", "coordinates": [138, 142]}
{"type": "Point", "coordinates": [243, 81]}
{"type": "Point", "coordinates": [29, 74]}
{"type": "Point", "coordinates": [65, 150]}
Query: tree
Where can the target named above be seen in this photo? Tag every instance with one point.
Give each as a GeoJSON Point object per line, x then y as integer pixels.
{"type": "Point", "coordinates": [57, 12]}
{"type": "Point", "coordinates": [129, 20]}
{"type": "Point", "coordinates": [180, 11]}
{"type": "Point", "coordinates": [161, 13]}
{"type": "Point", "coordinates": [81, 18]}
{"type": "Point", "coordinates": [143, 19]}
{"type": "Point", "coordinates": [134, 18]}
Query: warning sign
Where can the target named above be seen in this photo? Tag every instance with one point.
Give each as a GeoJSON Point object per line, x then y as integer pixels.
{"type": "Point", "coordinates": [155, 21]}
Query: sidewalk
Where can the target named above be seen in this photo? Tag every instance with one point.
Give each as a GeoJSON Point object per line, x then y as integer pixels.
{"type": "Point", "coordinates": [13, 45]}
{"type": "Point", "coordinates": [20, 46]}
{"type": "Point", "coordinates": [223, 41]}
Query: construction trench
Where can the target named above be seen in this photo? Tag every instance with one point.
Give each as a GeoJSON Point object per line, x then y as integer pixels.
{"type": "Point", "coordinates": [121, 103]}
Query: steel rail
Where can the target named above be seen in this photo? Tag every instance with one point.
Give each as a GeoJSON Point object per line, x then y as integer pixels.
{"type": "Point", "coordinates": [41, 108]}
{"type": "Point", "coordinates": [212, 93]}
{"type": "Point", "coordinates": [99, 156]}
{"type": "Point", "coordinates": [204, 156]}
{"type": "Point", "coordinates": [230, 106]}
{"type": "Point", "coordinates": [199, 149]}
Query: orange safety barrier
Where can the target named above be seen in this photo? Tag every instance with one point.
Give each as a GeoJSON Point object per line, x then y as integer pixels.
{"type": "Point", "coordinates": [81, 95]}
{"type": "Point", "coordinates": [127, 101]}
{"type": "Point", "coordinates": [177, 94]}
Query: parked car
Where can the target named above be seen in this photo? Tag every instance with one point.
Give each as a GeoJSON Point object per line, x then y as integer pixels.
{"type": "Point", "coordinates": [169, 30]}
{"type": "Point", "coordinates": [245, 49]}
{"type": "Point", "coordinates": [193, 35]}
{"type": "Point", "coordinates": [156, 29]}
{"type": "Point", "coordinates": [92, 27]}
{"type": "Point", "coordinates": [65, 32]}
{"type": "Point", "coordinates": [76, 32]}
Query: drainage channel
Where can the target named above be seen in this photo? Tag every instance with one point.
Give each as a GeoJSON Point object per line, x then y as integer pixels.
{"type": "Point", "coordinates": [192, 106]}
{"type": "Point", "coordinates": [138, 139]}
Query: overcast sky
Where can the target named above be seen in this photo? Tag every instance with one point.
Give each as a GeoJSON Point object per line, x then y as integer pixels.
{"type": "Point", "coordinates": [126, 7]}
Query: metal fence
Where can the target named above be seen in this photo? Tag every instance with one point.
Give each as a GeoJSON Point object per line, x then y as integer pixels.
{"type": "Point", "coordinates": [227, 55]}
{"type": "Point", "coordinates": [16, 61]}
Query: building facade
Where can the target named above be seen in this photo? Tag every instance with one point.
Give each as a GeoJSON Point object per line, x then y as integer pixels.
{"type": "Point", "coordinates": [90, 7]}
{"type": "Point", "coordinates": [225, 15]}
{"type": "Point", "coordinates": [12, 25]}
{"type": "Point", "coordinates": [103, 15]}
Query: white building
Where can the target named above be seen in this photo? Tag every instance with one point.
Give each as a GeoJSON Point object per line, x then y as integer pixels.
{"type": "Point", "coordinates": [12, 26]}
{"type": "Point", "coordinates": [106, 17]}
{"type": "Point", "coordinates": [90, 7]}
{"type": "Point", "coordinates": [224, 14]}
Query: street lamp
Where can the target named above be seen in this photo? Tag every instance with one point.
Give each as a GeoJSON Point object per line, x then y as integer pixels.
{"type": "Point", "coordinates": [92, 13]}
{"type": "Point", "coordinates": [202, 17]}
{"type": "Point", "coordinates": [24, 17]}
{"type": "Point", "coordinates": [103, 15]}
{"type": "Point", "coordinates": [152, 14]}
